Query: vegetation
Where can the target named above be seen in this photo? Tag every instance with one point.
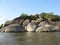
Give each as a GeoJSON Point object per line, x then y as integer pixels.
{"type": "Point", "coordinates": [25, 16]}
{"type": "Point", "coordinates": [48, 16]}
{"type": "Point", "coordinates": [45, 16]}
{"type": "Point", "coordinates": [1, 26]}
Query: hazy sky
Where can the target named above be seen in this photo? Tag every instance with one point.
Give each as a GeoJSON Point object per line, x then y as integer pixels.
{"type": "Point", "coordinates": [10, 9]}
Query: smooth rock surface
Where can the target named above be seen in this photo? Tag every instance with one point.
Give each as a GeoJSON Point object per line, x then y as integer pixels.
{"type": "Point", "coordinates": [31, 27]}
{"type": "Point", "coordinates": [14, 28]}
{"type": "Point", "coordinates": [7, 23]}
{"type": "Point", "coordinates": [44, 26]}
{"type": "Point", "coordinates": [25, 23]}
{"type": "Point", "coordinates": [39, 20]}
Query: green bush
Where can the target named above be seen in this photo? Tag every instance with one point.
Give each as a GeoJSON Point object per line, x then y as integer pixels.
{"type": "Point", "coordinates": [1, 26]}
{"type": "Point", "coordinates": [48, 16]}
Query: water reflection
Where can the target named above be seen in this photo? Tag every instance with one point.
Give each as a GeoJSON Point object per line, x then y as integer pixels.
{"type": "Point", "coordinates": [30, 38]}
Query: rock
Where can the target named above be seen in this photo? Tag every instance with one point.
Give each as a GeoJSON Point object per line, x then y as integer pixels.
{"type": "Point", "coordinates": [31, 27]}
{"type": "Point", "coordinates": [18, 21]}
{"type": "Point", "coordinates": [56, 28]}
{"type": "Point", "coordinates": [39, 20]}
{"type": "Point", "coordinates": [42, 23]}
{"type": "Point", "coordinates": [2, 29]}
{"type": "Point", "coordinates": [7, 23]}
{"type": "Point", "coordinates": [14, 28]}
{"type": "Point", "coordinates": [33, 21]}
{"type": "Point", "coordinates": [15, 21]}
{"type": "Point", "coordinates": [25, 23]}
{"type": "Point", "coordinates": [44, 27]}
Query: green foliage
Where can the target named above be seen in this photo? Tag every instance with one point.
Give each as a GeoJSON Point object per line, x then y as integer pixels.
{"type": "Point", "coordinates": [47, 16]}
{"type": "Point", "coordinates": [23, 15]}
{"type": "Point", "coordinates": [36, 16]}
{"type": "Point", "coordinates": [32, 17]}
{"type": "Point", "coordinates": [1, 26]}
{"type": "Point", "coordinates": [50, 16]}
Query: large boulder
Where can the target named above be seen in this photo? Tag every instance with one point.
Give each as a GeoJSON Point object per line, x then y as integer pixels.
{"type": "Point", "coordinates": [31, 27]}
{"type": "Point", "coordinates": [42, 29]}
{"type": "Point", "coordinates": [45, 26]}
{"type": "Point", "coordinates": [7, 23]}
{"type": "Point", "coordinates": [14, 28]}
{"type": "Point", "coordinates": [33, 21]}
{"type": "Point", "coordinates": [39, 20]}
{"type": "Point", "coordinates": [57, 27]}
{"type": "Point", "coordinates": [42, 23]}
{"type": "Point", "coordinates": [25, 23]}
{"type": "Point", "coordinates": [3, 29]}
{"type": "Point", "coordinates": [18, 21]}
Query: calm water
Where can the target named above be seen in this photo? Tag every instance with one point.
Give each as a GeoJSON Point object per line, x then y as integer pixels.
{"type": "Point", "coordinates": [30, 38]}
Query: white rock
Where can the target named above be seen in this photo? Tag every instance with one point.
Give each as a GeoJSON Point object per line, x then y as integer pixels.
{"type": "Point", "coordinates": [31, 27]}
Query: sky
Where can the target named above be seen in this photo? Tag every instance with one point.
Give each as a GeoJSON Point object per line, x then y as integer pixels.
{"type": "Point", "coordinates": [10, 9]}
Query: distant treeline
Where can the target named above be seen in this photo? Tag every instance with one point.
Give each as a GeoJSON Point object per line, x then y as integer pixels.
{"type": "Point", "coordinates": [47, 16]}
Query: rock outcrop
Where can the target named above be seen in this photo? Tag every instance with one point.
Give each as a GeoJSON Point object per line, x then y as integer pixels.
{"type": "Point", "coordinates": [25, 23]}
{"type": "Point", "coordinates": [31, 27]}
{"type": "Point", "coordinates": [7, 23]}
{"type": "Point", "coordinates": [44, 27]}
{"type": "Point", "coordinates": [14, 28]}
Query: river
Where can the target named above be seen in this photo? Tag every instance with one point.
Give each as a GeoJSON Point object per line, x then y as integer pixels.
{"type": "Point", "coordinates": [30, 38]}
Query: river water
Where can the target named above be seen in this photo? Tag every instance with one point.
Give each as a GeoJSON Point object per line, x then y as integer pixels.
{"type": "Point", "coordinates": [30, 38]}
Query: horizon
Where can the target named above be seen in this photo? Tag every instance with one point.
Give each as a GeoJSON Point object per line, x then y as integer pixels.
{"type": "Point", "coordinates": [10, 9]}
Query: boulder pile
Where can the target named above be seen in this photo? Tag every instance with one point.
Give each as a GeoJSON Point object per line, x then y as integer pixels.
{"type": "Point", "coordinates": [39, 25]}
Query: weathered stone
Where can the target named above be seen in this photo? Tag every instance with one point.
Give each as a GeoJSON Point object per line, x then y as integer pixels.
{"type": "Point", "coordinates": [33, 21]}
{"type": "Point", "coordinates": [41, 29]}
{"type": "Point", "coordinates": [2, 29]}
{"type": "Point", "coordinates": [39, 20]}
{"type": "Point", "coordinates": [14, 28]}
{"type": "Point", "coordinates": [7, 23]}
{"type": "Point", "coordinates": [25, 23]}
{"type": "Point", "coordinates": [18, 21]}
{"type": "Point", "coordinates": [45, 27]}
{"type": "Point", "coordinates": [31, 27]}
{"type": "Point", "coordinates": [42, 23]}
{"type": "Point", "coordinates": [57, 28]}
